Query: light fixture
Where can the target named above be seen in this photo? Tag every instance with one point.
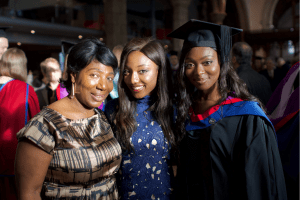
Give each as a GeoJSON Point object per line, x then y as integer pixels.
{"type": "Point", "coordinates": [32, 31]}
{"type": "Point", "coordinates": [80, 37]}
{"type": "Point", "coordinates": [19, 43]}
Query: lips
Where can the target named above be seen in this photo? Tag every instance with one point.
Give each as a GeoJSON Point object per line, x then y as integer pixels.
{"type": "Point", "coordinates": [137, 88]}
{"type": "Point", "coordinates": [97, 97]}
{"type": "Point", "coordinates": [200, 80]}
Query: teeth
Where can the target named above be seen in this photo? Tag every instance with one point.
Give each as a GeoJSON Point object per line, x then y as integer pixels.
{"type": "Point", "coordinates": [137, 88]}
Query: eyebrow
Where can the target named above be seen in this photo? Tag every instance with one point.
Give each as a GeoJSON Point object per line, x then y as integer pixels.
{"type": "Point", "coordinates": [143, 65]}
{"type": "Point", "coordinates": [100, 70]}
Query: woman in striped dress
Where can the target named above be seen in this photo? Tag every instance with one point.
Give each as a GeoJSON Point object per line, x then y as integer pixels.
{"type": "Point", "coordinates": [68, 150]}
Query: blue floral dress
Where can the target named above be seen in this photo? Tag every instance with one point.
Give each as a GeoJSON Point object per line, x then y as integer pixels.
{"type": "Point", "coordinates": [145, 173]}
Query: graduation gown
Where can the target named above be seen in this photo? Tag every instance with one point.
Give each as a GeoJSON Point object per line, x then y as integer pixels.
{"type": "Point", "coordinates": [230, 152]}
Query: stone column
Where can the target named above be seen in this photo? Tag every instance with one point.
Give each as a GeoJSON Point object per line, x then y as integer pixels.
{"type": "Point", "coordinates": [219, 11]}
{"type": "Point", "coordinates": [115, 16]}
{"type": "Point", "coordinates": [180, 16]}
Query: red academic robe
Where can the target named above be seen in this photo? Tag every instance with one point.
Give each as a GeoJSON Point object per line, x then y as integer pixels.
{"type": "Point", "coordinates": [12, 119]}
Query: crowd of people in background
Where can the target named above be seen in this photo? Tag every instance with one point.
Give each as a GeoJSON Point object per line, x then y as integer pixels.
{"type": "Point", "coordinates": [140, 122]}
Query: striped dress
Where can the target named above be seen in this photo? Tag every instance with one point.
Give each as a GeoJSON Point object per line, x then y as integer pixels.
{"type": "Point", "coordinates": [85, 153]}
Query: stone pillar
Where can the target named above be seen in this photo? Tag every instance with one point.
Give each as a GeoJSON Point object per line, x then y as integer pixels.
{"type": "Point", "coordinates": [180, 16]}
{"type": "Point", "coordinates": [219, 11]}
{"type": "Point", "coordinates": [115, 16]}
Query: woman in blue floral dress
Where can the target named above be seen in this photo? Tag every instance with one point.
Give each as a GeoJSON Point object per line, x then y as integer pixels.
{"type": "Point", "coordinates": [142, 119]}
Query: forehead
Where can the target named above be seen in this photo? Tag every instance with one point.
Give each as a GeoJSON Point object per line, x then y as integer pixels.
{"type": "Point", "coordinates": [95, 65]}
{"type": "Point", "coordinates": [137, 58]}
{"type": "Point", "coordinates": [3, 41]}
{"type": "Point", "coordinates": [199, 52]}
{"type": "Point", "coordinates": [53, 65]}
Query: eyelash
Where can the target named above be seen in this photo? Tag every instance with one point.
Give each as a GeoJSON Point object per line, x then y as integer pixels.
{"type": "Point", "coordinates": [208, 62]}
{"type": "Point", "coordinates": [205, 63]}
{"type": "Point", "coordinates": [143, 71]}
{"type": "Point", "coordinates": [189, 65]}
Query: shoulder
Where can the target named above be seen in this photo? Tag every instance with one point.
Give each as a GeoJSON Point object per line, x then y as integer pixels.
{"type": "Point", "coordinates": [39, 130]}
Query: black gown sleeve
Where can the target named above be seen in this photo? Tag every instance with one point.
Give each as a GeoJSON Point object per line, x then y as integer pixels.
{"type": "Point", "coordinates": [258, 173]}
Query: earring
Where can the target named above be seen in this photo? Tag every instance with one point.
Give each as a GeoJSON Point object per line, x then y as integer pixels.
{"type": "Point", "coordinates": [72, 91]}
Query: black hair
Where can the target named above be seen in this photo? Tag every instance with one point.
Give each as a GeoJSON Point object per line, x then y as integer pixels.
{"type": "Point", "coordinates": [229, 84]}
{"type": "Point", "coordinates": [83, 53]}
{"type": "Point", "coordinates": [242, 52]}
{"type": "Point", "coordinates": [162, 106]}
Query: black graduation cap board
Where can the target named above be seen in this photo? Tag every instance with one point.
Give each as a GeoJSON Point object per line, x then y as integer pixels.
{"type": "Point", "coordinates": [2, 30]}
{"type": "Point", "coordinates": [196, 33]}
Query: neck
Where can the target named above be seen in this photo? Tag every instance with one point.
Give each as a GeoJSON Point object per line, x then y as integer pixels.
{"type": "Point", "coordinates": [4, 79]}
{"type": "Point", "coordinates": [78, 108]}
{"type": "Point", "coordinates": [53, 85]}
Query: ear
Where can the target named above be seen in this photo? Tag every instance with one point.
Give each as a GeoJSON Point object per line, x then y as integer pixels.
{"type": "Point", "coordinates": [73, 77]}
{"type": "Point", "coordinates": [233, 59]}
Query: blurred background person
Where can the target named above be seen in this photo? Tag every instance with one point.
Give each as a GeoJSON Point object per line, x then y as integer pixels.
{"type": "Point", "coordinates": [280, 71]}
{"type": "Point", "coordinates": [258, 63]}
{"type": "Point", "coordinates": [51, 71]}
{"type": "Point", "coordinates": [34, 78]}
{"type": "Point", "coordinates": [3, 41]}
{"type": "Point", "coordinates": [66, 47]}
{"type": "Point", "coordinates": [174, 60]}
{"type": "Point", "coordinates": [117, 50]}
{"type": "Point", "coordinates": [18, 104]}
{"type": "Point", "coordinates": [283, 107]}
{"type": "Point", "coordinates": [269, 71]}
{"type": "Point", "coordinates": [256, 83]}
{"type": "Point", "coordinates": [68, 151]}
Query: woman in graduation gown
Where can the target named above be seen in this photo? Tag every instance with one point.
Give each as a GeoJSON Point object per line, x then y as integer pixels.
{"type": "Point", "coordinates": [228, 148]}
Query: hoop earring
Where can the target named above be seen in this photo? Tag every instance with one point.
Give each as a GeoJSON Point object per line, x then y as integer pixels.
{"type": "Point", "coordinates": [72, 91]}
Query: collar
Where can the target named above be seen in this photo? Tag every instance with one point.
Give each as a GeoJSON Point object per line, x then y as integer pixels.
{"type": "Point", "coordinates": [230, 107]}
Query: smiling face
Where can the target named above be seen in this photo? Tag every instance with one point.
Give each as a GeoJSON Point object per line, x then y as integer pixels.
{"type": "Point", "coordinates": [202, 68]}
{"type": "Point", "coordinates": [93, 84]}
{"type": "Point", "coordinates": [140, 74]}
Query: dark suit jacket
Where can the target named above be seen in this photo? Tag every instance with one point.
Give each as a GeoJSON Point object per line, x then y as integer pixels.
{"type": "Point", "coordinates": [256, 83]}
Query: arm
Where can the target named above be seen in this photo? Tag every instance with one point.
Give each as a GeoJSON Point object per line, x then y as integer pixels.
{"type": "Point", "coordinates": [31, 166]}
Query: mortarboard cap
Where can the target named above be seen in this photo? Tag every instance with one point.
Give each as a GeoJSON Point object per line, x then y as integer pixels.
{"type": "Point", "coordinates": [2, 30]}
{"type": "Point", "coordinates": [196, 33]}
{"type": "Point", "coordinates": [66, 46]}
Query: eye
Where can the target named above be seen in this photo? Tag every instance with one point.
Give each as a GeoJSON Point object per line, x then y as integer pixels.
{"type": "Point", "coordinates": [110, 79]}
{"type": "Point", "coordinates": [143, 71]}
{"type": "Point", "coordinates": [94, 75]}
{"type": "Point", "coordinates": [189, 65]}
{"type": "Point", "coordinates": [207, 63]}
{"type": "Point", "coordinates": [125, 72]}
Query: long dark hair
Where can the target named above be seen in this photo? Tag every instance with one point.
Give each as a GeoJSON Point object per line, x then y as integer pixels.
{"type": "Point", "coordinates": [83, 53]}
{"type": "Point", "coordinates": [162, 107]}
{"type": "Point", "coordinates": [229, 83]}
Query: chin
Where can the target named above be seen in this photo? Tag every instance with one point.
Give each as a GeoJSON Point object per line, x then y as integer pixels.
{"type": "Point", "coordinates": [138, 96]}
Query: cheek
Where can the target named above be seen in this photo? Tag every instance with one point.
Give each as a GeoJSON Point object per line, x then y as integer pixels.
{"type": "Point", "coordinates": [88, 83]}
{"type": "Point", "coordinates": [188, 73]}
{"type": "Point", "coordinates": [110, 86]}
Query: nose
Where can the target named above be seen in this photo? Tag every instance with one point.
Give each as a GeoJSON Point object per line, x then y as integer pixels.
{"type": "Point", "coordinates": [102, 84]}
{"type": "Point", "coordinates": [199, 69]}
{"type": "Point", "coordinates": [134, 77]}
